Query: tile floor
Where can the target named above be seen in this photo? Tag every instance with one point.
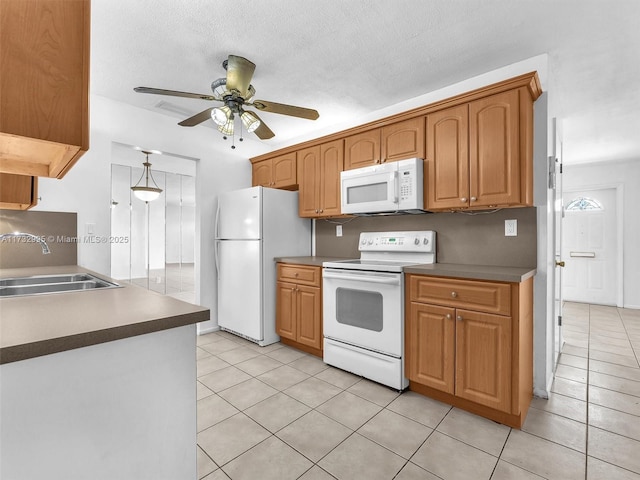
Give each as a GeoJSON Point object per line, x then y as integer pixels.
{"type": "Point", "coordinates": [277, 413]}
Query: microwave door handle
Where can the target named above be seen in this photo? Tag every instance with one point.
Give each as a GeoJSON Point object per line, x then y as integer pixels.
{"type": "Point", "coordinates": [396, 186]}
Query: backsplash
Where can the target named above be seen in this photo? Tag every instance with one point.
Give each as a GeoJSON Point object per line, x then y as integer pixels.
{"type": "Point", "coordinates": [58, 229]}
{"type": "Point", "coordinates": [475, 239]}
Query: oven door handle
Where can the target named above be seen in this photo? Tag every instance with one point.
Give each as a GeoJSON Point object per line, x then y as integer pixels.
{"type": "Point", "coordinates": [363, 278]}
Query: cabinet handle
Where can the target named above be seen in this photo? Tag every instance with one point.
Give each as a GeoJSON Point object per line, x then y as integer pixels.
{"type": "Point", "coordinates": [473, 199]}
{"type": "Point", "coordinates": [321, 210]}
{"type": "Point", "coordinates": [459, 318]}
{"type": "Point", "coordinates": [297, 273]}
{"type": "Point", "coordinates": [448, 316]}
{"type": "Point", "coordinates": [463, 199]}
{"type": "Point", "coordinates": [454, 294]}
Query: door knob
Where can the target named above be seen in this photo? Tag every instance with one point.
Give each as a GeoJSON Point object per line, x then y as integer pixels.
{"type": "Point", "coordinates": [559, 264]}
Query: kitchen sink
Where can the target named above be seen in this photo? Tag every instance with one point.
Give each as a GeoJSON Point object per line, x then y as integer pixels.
{"type": "Point", "coordinates": [43, 284]}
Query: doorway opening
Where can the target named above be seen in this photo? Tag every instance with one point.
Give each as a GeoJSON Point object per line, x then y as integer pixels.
{"type": "Point", "coordinates": [157, 247]}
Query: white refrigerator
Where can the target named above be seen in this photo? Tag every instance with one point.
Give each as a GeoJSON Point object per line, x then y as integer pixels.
{"type": "Point", "coordinates": [253, 226]}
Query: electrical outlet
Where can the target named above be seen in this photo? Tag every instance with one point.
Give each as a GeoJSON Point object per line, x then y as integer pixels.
{"type": "Point", "coordinates": [511, 228]}
{"type": "Point", "coordinates": [338, 230]}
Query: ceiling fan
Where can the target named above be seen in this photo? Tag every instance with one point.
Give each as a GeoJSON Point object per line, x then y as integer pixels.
{"type": "Point", "coordinates": [235, 92]}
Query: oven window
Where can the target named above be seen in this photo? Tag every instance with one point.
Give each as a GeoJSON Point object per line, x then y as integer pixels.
{"type": "Point", "coordinates": [358, 308]}
{"type": "Point", "coordinates": [371, 192]}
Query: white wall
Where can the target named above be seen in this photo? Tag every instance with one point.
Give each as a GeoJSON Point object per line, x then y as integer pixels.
{"type": "Point", "coordinates": [627, 175]}
{"type": "Point", "coordinates": [86, 188]}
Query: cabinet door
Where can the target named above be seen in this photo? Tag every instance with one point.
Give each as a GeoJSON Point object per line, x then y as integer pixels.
{"type": "Point", "coordinates": [331, 164]}
{"type": "Point", "coordinates": [286, 310]}
{"type": "Point", "coordinates": [309, 180]}
{"type": "Point", "coordinates": [403, 140]}
{"type": "Point", "coordinates": [18, 192]}
{"type": "Point", "coordinates": [309, 316]}
{"type": "Point", "coordinates": [261, 173]}
{"type": "Point", "coordinates": [362, 150]}
{"type": "Point", "coordinates": [283, 171]}
{"type": "Point", "coordinates": [430, 346]}
{"type": "Point", "coordinates": [45, 85]}
{"type": "Point", "coordinates": [447, 159]}
{"type": "Point", "coordinates": [483, 359]}
{"type": "Point", "coordinates": [494, 161]}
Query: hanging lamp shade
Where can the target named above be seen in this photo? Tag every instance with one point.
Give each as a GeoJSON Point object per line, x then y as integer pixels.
{"type": "Point", "coordinates": [146, 193]}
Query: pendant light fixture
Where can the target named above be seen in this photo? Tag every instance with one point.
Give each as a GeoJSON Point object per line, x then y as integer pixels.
{"type": "Point", "coordinates": [146, 193]}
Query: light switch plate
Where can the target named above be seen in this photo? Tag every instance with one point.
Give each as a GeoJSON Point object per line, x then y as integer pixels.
{"type": "Point", "coordinates": [511, 228]}
{"type": "Point", "coordinates": [338, 230]}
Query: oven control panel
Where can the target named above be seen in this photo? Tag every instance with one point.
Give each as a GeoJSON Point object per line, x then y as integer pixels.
{"type": "Point", "coordinates": [413, 241]}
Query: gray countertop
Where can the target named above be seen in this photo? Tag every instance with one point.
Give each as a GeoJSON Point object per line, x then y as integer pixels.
{"type": "Point", "coordinates": [36, 325]}
{"type": "Point", "coordinates": [452, 270]}
{"type": "Point", "coordinates": [311, 260]}
{"type": "Point", "coordinates": [477, 272]}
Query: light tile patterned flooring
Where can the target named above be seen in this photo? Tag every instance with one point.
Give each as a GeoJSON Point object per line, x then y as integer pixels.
{"type": "Point", "coordinates": [277, 413]}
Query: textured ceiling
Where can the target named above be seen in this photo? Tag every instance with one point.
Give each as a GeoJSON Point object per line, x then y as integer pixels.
{"type": "Point", "coordinates": [348, 58]}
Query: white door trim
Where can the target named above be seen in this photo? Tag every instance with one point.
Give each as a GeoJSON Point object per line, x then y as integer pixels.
{"type": "Point", "coordinates": [619, 188]}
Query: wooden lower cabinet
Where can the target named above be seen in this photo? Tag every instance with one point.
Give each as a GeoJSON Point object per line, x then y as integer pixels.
{"type": "Point", "coordinates": [458, 350]}
{"type": "Point", "coordinates": [299, 307]}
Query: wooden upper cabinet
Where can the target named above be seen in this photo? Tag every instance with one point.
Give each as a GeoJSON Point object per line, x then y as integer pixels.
{"type": "Point", "coordinates": [277, 172]}
{"type": "Point", "coordinates": [403, 140]}
{"type": "Point", "coordinates": [494, 154]}
{"type": "Point", "coordinates": [480, 154]}
{"type": "Point", "coordinates": [44, 89]}
{"type": "Point", "coordinates": [390, 143]}
{"type": "Point", "coordinates": [362, 149]}
{"type": "Point", "coordinates": [18, 192]}
{"type": "Point", "coordinates": [319, 170]}
{"type": "Point", "coordinates": [447, 159]}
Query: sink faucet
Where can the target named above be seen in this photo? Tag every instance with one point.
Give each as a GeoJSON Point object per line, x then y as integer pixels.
{"type": "Point", "coordinates": [31, 237]}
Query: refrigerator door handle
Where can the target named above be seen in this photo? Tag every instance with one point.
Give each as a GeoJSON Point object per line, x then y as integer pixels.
{"type": "Point", "coordinates": [216, 256]}
{"type": "Point", "coordinates": [217, 222]}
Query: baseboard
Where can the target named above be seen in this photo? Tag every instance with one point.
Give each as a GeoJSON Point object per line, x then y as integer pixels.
{"type": "Point", "coordinates": [632, 307]}
{"type": "Point", "coordinates": [204, 331]}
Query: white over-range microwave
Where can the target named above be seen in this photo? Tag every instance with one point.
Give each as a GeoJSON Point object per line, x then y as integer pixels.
{"type": "Point", "coordinates": [385, 188]}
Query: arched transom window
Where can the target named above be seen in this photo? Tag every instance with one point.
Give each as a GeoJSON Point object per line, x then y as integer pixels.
{"type": "Point", "coordinates": [583, 204]}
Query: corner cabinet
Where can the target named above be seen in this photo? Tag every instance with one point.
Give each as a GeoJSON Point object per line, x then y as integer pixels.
{"type": "Point", "coordinates": [278, 172]}
{"type": "Point", "coordinates": [44, 101]}
{"type": "Point", "coordinates": [480, 154]}
{"type": "Point", "coordinates": [470, 343]}
{"type": "Point", "coordinates": [299, 307]}
{"type": "Point", "coordinates": [319, 170]}
{"type": "Point", "coordinates": [397, 141]}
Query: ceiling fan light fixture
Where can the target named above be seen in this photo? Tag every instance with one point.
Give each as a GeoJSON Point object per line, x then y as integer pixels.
{"type": "Point", "coordinates": [221, 115]}
{"type": "Point", "coordinates": [146, 192]}
{"type": "Point", "coordinates": [227, 128]}
{"type": "Point", "coordinates": [250, 121]}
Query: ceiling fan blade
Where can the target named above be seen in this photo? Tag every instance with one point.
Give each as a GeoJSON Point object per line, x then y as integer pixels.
{"type": "Point", "coordinates": [239, 74]}
{"type": "Point", "coordinates": [197, 119]}
{"type": "Point", "coordinates": [281, 108]}
{"type": "Point", "coordinates": [174, 93]}
{"type": "Point", "coordinates": [263, 132]}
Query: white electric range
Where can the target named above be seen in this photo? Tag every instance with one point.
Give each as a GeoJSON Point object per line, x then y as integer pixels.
{"type": "Point", "coordinates": [363, 304]}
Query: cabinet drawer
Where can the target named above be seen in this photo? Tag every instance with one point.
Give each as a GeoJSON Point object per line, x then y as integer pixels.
{"type": "Point", "coordinates": [301, 274]}
{"type": "Point", "coordinates": [473, 295]}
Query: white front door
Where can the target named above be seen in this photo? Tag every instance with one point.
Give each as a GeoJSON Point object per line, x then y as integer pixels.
{"type": "Point", "coordinates": [590, 247]}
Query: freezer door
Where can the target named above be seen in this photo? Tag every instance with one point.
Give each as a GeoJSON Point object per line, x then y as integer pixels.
{"type": "Point", "coordinates": [239, 214]}
{"type": "Point", "coordinates": [240, 287]}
